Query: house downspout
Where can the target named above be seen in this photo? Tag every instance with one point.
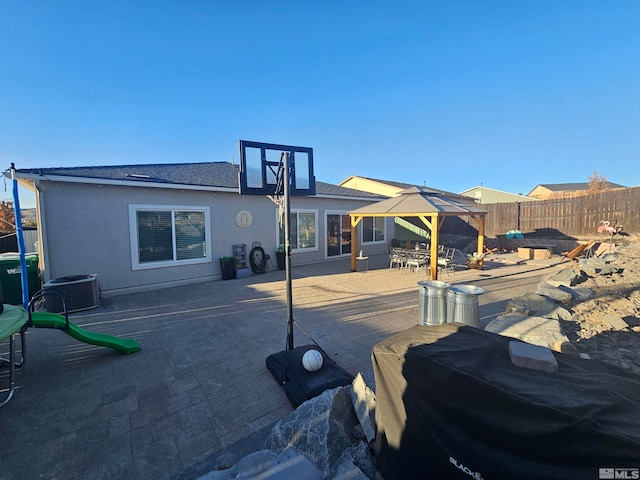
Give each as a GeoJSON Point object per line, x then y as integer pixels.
{"type": "Point", "coordinates": [43, 250]}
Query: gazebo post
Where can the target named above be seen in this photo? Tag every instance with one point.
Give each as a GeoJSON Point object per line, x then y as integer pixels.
{"type": "Point", "coordinates": [433, 264]}
{"type": "Point", "coordinates": [481, 221]}
{"type": "Point", "coordinates": [355, 220]}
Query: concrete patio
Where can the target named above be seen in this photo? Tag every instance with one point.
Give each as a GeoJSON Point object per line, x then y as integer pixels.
{"type": "Point", "coordinates": [200, 386]}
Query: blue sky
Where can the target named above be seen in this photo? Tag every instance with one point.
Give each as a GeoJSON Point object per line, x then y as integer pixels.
{"type": "Point", "coordinates": [450, 94]}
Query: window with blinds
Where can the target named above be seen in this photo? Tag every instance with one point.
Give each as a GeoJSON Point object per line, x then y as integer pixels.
{"type": "Point", "coordinates": [165, 236]}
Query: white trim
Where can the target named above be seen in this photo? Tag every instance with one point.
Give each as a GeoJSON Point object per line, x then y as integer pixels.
{"type": "Point", "coordinates": [297, 211]}
{"type": "Point", "coordinates": [375, 242]}
{"type": "Point", "coordinates": [133, 235]}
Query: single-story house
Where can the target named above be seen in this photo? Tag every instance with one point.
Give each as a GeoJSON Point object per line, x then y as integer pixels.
{"type": "Point", "coordinates": [140, 227]}
{"type": "Point", "coordinates": [550, 190]}
{"type": "Point", "coordinates": [389, 188]}
{"type": "Point", "coordinates": [482, 194]}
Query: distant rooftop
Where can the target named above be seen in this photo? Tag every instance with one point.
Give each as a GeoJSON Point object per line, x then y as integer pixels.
{"type": "Point", "coordinates": [568, 187]}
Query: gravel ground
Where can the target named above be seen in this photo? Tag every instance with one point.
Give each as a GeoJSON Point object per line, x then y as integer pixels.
{"type": "Point", "coordinates": [607, 327]}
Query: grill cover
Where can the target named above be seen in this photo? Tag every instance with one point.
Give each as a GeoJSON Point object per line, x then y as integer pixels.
{"type": "Point", "coordinates": [450, 404]}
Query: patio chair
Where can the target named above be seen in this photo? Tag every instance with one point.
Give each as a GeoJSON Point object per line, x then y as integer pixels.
{"type": "Point", "coordinates": [397, 257]}
{"type": "Point", "coordinates": [417, 260]}
{"type": "Point", "coordinates": [445, 262]}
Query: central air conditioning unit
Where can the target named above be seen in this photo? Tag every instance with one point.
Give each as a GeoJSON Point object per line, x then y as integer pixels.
{"type": "Point", "coordinates": [80, 293]}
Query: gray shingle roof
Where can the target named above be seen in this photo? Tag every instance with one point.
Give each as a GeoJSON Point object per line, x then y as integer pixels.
{"type": "Point", "coordinates": [206, 174]}
{"type": "Point", "coordinates": [569, 187]}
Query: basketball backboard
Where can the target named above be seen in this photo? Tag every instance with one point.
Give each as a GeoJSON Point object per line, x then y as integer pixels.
{"type": "Point", "coordinates": [262, 164]}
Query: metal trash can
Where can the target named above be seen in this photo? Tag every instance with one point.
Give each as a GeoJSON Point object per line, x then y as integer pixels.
{"type": "Point", "coordinates": [432, 305]}
{"type": "Point", "coordinates": [462, 304]}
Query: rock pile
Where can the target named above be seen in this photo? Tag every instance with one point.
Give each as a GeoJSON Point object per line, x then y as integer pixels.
{"type": "Point", "coordinates": [327, 437]}
{"type": "Point", "coordinates": [591, 308]}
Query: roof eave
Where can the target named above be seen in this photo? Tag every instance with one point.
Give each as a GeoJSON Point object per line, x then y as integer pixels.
{"type": "Point", "coordinates": [123, 183]}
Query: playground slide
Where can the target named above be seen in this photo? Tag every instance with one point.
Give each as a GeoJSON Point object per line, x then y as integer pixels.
{"type": "Point", "coordinates": [55, 320]}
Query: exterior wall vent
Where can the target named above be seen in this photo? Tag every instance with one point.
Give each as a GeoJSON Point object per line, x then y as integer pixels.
{"type": "Point", "coordinates": [80, 291]}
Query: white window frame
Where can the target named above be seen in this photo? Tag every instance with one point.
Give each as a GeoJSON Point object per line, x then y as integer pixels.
{"type": "Point", "coordinates": [133, 234]}
{"type": "Point", "coordinates": [296, 212]}
{"type": "Point", "coordinates": [374, 242]}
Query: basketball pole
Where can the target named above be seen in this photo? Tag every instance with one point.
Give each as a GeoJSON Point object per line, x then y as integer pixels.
{"type": "Point", "coordinates": [287, 247]}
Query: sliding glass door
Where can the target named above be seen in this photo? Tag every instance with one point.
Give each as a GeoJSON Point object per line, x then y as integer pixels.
{"type": "Point", "coordinates": [338, 234]}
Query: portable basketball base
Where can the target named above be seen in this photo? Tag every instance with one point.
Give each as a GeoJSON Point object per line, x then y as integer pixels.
{"type": "Point", "coordinates": [286, 366]}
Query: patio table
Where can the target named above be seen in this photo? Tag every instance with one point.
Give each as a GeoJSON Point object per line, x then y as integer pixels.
{"type": "Point", "coordinates": [12, 320]}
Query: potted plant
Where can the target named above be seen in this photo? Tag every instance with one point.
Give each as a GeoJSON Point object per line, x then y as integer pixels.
{"type": "Point", "coordinates": [474, 260]}
{"type": "Point", "coordinates": [228, 267]}
{"type": "Point", "coordinates": [280, 254]}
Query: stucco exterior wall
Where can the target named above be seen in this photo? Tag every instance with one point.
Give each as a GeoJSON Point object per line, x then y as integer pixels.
{"type": "Point", "coordinates": [87, 231]}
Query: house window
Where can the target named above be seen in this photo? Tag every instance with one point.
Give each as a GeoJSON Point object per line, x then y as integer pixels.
{"type": "Point", "coordinates": [166, 236]}
{"type": "Point", "coordinates": [303, 230]}
{"type": "Point", "coordinates": [373, 230]}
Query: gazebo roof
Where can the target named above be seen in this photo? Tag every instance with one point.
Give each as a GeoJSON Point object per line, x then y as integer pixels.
{"type": "Point", "coordinates": [418, 201]}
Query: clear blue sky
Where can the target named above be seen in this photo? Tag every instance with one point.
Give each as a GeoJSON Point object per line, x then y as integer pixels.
{"type": "Point", "coordinates": [449, 94]}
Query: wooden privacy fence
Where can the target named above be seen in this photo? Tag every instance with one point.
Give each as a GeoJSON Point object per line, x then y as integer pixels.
{"type": "Point", "coordinates": [579, 216]}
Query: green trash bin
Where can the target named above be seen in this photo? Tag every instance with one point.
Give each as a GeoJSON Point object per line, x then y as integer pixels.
{"type": "Point", "coordinates": [11, 279]}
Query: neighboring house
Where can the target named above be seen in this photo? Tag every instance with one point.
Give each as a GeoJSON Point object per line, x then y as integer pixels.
{"type": "Point", "coordinates": [552, 190]}
{"type": "Point", "coordinates": [148, 226]}
{"type": "Point", "coordinates": [489, 195]}
{"type": "Point", "coordinates": [388, 188]}
{"type": "Point", "coordinates": [410, 228]}
{"type": "Point", "coordinates": [372, 185]}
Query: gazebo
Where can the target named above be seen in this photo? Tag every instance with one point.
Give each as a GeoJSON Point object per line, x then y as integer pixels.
{"type": "Point", "coordinates": [430, 206]}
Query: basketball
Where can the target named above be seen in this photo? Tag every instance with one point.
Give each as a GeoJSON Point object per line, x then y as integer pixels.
{"type": "Point", "coordinates": [312, 360]}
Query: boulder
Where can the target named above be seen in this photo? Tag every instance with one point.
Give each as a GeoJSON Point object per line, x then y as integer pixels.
{"type": "Point", "coordinates": [357, 463]}
{"type": "Point", "coordinates": [555, 293]}
{"type": "Point", "coordinates": [598, 266]}
{"type": "Point", "coordinates": [267, 464]}
{"type": "Point", "coordinates": [538, 305]}
{"type": "Point", "coordinates": [567, 277]}
{"type": "Point", "coordinates": [364, 405]}
{"type": "Point", "coordinates": [321, 429]}
{"type": "Point", "coordinates": [614, 322]}
{"type": "Point", "coordinates": [583, 294]}
{"type": "Point", "coordinates": [541, 331]}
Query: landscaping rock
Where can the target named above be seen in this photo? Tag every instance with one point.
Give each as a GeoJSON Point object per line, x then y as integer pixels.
{"type": "Point", "coordinates": [614, 322]}
{"type": "Point", "coordinates": [541, 331]}
{"type": "Point", "coordinates": [534, 357]}
{"type": "Point", "coordinates": [583, 294]}
{"type": "Point", "coordinates": [364, 405]}
{"type": "Point", "coordinates": [555, 293]}
{"type": "Point", "coordinates": [267, 464]}
{"type": "Point", "coordinates": [321, 429]}
{"type": "Point", "coordinates": [357, 463]}
{"type": "Point", "coordinates": [567, 277]}
{"type": "Point", "coordinates": [538, 305]}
